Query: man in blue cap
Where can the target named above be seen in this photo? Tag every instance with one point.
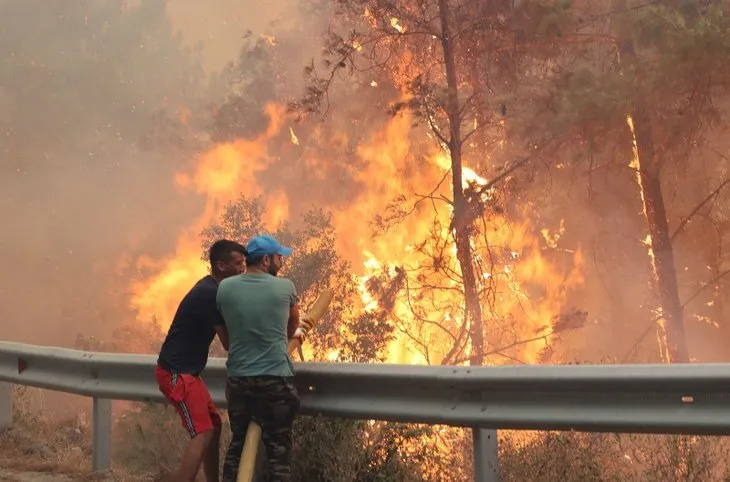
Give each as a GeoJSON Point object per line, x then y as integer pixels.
{"type": "Point", "coordinates": [261, 314]}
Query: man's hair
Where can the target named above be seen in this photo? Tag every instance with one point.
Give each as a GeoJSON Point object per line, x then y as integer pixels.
{"type": "Point", "coordinates": [221, 251]}
{"type": "Point", "coordinates": [254, 260]}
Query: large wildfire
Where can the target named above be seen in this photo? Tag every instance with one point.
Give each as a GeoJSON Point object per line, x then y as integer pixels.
{"type": "Point", "coordinates": [523, 285]}
{"type": "Point", "coordinates": [524, 292]}
{"type": "Point", "coordinates": [587, 141]}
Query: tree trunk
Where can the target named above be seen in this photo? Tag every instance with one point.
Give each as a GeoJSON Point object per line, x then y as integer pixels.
{"type": "Point", "coordinates": [479, 118]}
{"type": "Point", "coordinates": [461, 224]}
{"type": "Point", "coordinates": [672, 342]}
{"type": "Point", "coordinates": [670, 328]}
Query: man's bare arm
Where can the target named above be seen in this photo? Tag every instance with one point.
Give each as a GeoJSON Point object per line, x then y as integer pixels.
{"type": "Point", "coordinates": [222, 335]}
{"type": "Point", "coordinates": [293, 321]}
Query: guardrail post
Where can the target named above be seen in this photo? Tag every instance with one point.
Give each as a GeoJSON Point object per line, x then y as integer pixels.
{"type": "Point", "coordinates": [6, 405]}
{"type": "Point", "coordinates": [486, 455]}
{"type": "Point", "coordinates": [101, 457]}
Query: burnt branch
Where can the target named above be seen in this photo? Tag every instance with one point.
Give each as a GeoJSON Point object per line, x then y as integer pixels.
{"type": "Point", "coordinates": [697, 208]}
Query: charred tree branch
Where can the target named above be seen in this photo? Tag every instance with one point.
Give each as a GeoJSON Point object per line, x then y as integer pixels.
{"type": "Point", "coordinates": [692, 213]}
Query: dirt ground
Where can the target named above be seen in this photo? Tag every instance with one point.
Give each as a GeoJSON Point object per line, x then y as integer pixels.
{"type": "Point", "coordinates": [10, 475]}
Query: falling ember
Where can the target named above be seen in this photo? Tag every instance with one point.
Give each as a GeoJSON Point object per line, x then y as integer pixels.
{"type": "Point", "coordinates": [552, 239]}
{"type": "Point", "coordinates": [396, 25]}
{"type": "Point", "coordinates": [270, 39]}
{"type": "Point", "coordinates": [294, 138]}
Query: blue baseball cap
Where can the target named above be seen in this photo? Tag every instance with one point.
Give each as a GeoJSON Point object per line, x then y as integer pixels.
{"type": "Point", "coordinates": [263, 245]}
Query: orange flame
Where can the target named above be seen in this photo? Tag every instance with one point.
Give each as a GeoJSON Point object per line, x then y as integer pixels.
{"type": "Point", "coordinates": [221, 175]}
{"type": "Point", "coordinates": [525, 290]}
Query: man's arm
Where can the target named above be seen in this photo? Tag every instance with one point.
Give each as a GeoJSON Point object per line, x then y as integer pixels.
{"type": "Point", "coordinates": [293, 313]}
{"type": "Point", "coordinates": [219, 324]}
{"type": "Point", "coordinates": [222, 332]}
{"type": "Point", "coordinates": [293, 321]}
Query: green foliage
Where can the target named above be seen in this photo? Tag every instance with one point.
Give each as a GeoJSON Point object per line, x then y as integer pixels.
{"type": "Point", "coordinates": [672, 61]}
{"type": "Point", "coordinates": [590, 102]}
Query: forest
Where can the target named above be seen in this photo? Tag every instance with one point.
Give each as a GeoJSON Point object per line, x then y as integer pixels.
{"type": "Point", "coordinates": [480, 182]}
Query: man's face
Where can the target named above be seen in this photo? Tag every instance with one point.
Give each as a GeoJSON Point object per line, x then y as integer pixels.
{"type": "Point", "coordinates": [236, 264]}
{"type": "Point", "coordinates": [275, 262]}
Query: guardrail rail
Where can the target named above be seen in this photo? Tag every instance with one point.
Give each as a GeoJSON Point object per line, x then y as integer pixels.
{"type": "Point", "coordinates": [679, 399]}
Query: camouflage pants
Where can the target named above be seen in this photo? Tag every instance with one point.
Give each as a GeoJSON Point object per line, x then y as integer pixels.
{"type": "Point", "coordinates": [272, 402]}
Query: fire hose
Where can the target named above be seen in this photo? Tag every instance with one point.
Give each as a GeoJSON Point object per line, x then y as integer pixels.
{"type": "Point", "coordinates": [253, 434]}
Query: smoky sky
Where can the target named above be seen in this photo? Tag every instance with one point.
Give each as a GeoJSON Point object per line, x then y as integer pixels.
{"type": "Point", "coordinates": [82, 84]}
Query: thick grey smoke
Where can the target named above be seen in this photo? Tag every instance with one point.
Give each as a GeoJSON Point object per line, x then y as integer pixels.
{"type": "Point", "coordinates": [92, 103]}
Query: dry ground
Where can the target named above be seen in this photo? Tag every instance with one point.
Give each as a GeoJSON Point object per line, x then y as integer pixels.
{"type": "Point", "coordinates": [148, 443]}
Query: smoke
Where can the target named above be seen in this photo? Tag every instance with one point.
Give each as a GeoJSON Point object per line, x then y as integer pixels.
{"type": "Point", "coordinates": [219, 26]}
{"type": "Point", "coordinates": [95, 103]}
{"type": "Point", "coordinates": [83, 86]}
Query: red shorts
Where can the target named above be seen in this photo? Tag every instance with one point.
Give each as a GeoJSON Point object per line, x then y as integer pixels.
{"type": "Point", "coordinates": [190, 397]}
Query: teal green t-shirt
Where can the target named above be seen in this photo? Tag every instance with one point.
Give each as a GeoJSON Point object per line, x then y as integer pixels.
{"type": "Point", "coordinates": [255, 307]}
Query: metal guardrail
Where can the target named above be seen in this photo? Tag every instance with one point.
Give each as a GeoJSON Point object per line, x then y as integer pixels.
{"type": "Point", "coordinates": [681, 399]}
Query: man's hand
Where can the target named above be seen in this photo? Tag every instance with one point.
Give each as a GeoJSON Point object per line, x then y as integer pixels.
{"type": "Point", "coordinates": [305, 324]}
{"type": "Point", "coordinates": [299, 334]}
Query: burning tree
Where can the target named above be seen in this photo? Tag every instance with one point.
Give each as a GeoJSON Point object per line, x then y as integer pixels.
{"type": "Point", "coordinates": [645, 76]}
{"type": "Point", "coordinates": [662, 135]}
{"type": "Point", "coordinates": [423, 48]}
